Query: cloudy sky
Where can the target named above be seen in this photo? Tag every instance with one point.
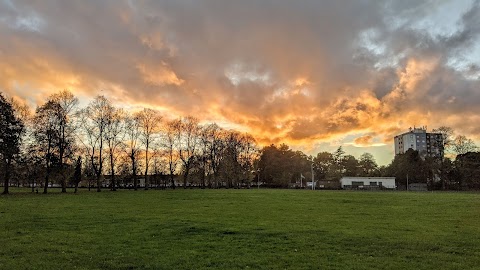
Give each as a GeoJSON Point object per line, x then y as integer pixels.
{"type": "Point", "coordinates": [313, 74]}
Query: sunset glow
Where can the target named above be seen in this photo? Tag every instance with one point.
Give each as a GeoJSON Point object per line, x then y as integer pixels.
{"type": "Point", "coordinates": [312, 74]}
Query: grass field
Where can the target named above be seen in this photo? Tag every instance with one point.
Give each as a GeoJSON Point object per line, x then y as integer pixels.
{"type": "Point", "coordinates": [240, 229]}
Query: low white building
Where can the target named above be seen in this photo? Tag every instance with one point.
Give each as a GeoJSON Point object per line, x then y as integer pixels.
{"type": "Point", "coordinates": [368, 182]}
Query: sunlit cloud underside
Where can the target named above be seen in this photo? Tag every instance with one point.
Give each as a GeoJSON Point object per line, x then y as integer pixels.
{"type": "Point", "coordinates": [311, 74]}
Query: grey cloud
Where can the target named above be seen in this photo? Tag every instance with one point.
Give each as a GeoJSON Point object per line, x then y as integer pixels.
{"type": "Point", "coordinates": [177, 53]}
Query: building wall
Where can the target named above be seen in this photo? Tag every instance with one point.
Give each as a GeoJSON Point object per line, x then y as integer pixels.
{"type": "Point", "coordinates": [386, 182]}
{"type": "Point", "coordinates": [418, 139]}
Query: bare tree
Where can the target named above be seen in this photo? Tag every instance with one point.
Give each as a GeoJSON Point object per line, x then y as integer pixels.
{"type": "Point", "coordinates": [158, 164]}
{"type": "Point", "coordinates": [447, 136]}
{"type": "Point", "coordinates": [114, 137]}
{"type": "Point", "coordinates": [204, 155]}
{"type": "Point", "coordinates": [462, 145]}
{"type": "Point", "coordinates": [213, 145]}
{"type": "Point", "coordinates": [447, 141]}
{"type": "Point", "coordinates": [248, 153]}
{"type": "Point", "coordinates": [94, 120]}
{"type": "Point", "coordinates": [189, 131]}
{"type": "Point", "coordinates": [133, 146]}
{"type": "Point", "coordinates": [170, 142]}
{"type": "Point", "coordinates": [66, 140]}
{"type": "Point", "coordinates": [77, 175]}
{"type": "Point", "coordinates": [150, 122]}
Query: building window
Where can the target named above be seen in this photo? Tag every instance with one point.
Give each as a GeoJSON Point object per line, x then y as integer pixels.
{"type": "Point", "coordinates": [357, 183]}
{"type": "Point", "coordinates": [373, 183]}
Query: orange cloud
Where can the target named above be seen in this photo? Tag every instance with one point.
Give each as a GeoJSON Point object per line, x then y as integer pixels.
{"type": "Point", "coordinates": [159, 76]}
{"type": "Point", "coordinates": [283, 74]}
{"type": "Point", "coordinates": [364, 140]}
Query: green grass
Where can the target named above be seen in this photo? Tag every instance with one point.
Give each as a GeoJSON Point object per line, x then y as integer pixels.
{"type": "Point", "coordinates": [240, 229]}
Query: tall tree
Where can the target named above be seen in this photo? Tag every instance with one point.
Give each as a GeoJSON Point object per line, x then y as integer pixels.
{"type": "Point", "coordinates": [77, 175]}
{"type": "Point", "coordinates": [29, 163]}
{"type": "Point", "coordinates": [170, 143]}
{"type": "Point", "coordinates": [66, 140]}
{"type": "Point", "coordinates": [189, 131]}
{"type": "Point", "coordinates": [94, 120]}
{"type": "Point", "coordinates": [150, 122]}
{"type": "Point", "coordinates": [447, 136]}
{"type": "Point", "coordinates": [215, 148]}
{"type": "Point", "coordinates": [114, 138]}
{"type": "Point", "coordinates": [247, 154]}
{"type": "Point", "coordinates": [276, 165]}
{"type": "Point", "coordinates": [323, 163]}
{"type": "Point", "coordinates": [350, 165]}
{"type": "Point", "coordinates": [367, 165]}
{"type": "Point", "coordinates": [46, 132]}
{"type": "Point", "coordinates": [408, 166]}
{"type": "Point", "coordinates": [11, 128]}
{"type": "Point", "coordinates": [133, 146]}
{"type": "Point", "coordinates": [230, 165]}
{"type": "Point", "coordinates": [468, 166]}
{"type": "Point", "coordinates": [447, 141]}
{"type": "Point", "coordinates": [337, 168]}
{"type": "Point", "coordinates": [204, 157]}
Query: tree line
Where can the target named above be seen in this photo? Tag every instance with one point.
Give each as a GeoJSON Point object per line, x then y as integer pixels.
{"type": "Point", "coordinates": [280, 166]}
{"type": "Point", "coordinates": [62, 144]}
{"type": "Point", "coordinates": [104, 146]}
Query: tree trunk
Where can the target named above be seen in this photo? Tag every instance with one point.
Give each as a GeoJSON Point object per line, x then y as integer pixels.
{"type": "Point", "coordinates": [64, 177]}
{"type": "Point", "coordinates": [62, 152]}
{"type": "Point", "coordinates": [146, 167]}
{"type": "Point", "coordinates": [7, 177]}
{"type": "Point", "coordinates": [185, 177]}
{"type": "Point", "coordinates": [171, 173]}
{"type": "Point", "coordinates": [47, 178]}
{"type": "Point", "coordinates": [215, 183]}
{"type": "Point", "coordinates": [76, 187]}
{"type": "Point", "coordinates": [172, 180]}
{"type": "Point", "coordinates": [209, 183]}
{"type": "Point", "coordinates": [64, 185]}
{"type": "Point", "coordinates": [203, 179]}
{"type": "Point", "coordinates": [442, 174]}
{"type": "Point", "coordinates": [112, 174]}
{"type": "Point", "coordinates": [100, 163]}
{"type": "Point", "coordinates": [114, 183]}
{"type": "Point", "coordinates": [204, 170]}
{"type": "Point", "coordinates": [99, 188]}
{"type": "Point", "coordinates": [135, 183]}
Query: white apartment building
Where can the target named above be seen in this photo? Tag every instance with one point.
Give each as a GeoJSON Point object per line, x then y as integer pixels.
{"type": "Point", "coordinates": [427, 144]}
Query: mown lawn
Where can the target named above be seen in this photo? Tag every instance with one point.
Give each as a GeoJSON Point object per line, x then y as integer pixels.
{"type": "Point", "coordinates": [240, 229]}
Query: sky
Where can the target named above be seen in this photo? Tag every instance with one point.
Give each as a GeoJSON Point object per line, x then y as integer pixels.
{"type": "Point", "coordinates": [315, 75]}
